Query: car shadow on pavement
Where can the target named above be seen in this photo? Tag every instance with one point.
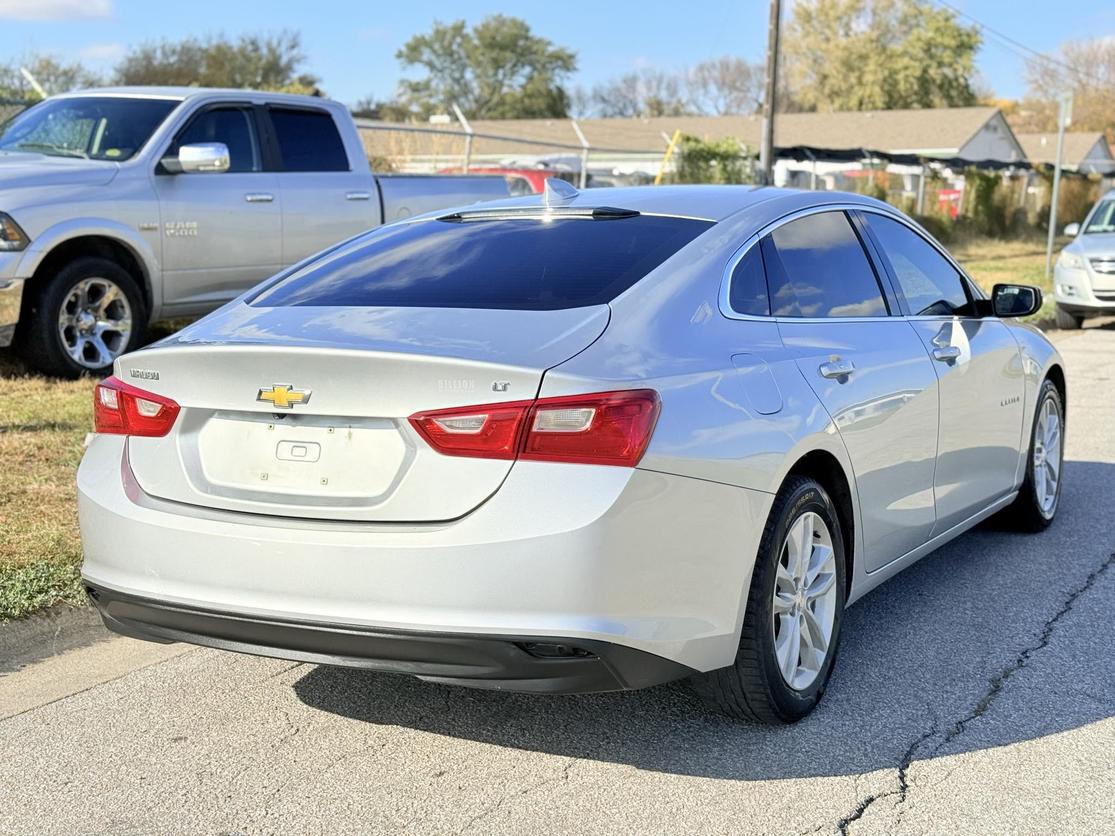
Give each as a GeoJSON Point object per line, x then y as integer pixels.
{"type": "Point", "coordinates": [976, 646]}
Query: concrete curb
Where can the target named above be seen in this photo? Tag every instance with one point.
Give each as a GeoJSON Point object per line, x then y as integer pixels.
{"type": "Point", "coordinates": [48, 633]}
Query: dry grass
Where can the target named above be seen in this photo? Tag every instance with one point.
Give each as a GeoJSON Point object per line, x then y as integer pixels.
{"type": "Point", "coordinates": [42, 427]}
{"type": "Point", "coordinates": [992, 262]}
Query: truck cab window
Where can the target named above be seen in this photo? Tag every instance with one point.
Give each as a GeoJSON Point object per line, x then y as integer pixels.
{"type": "Point", "coordinates": [308, 140]}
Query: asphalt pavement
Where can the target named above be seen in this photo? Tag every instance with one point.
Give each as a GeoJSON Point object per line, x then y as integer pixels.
{"type": "Point", "coordinates": [974, 693]}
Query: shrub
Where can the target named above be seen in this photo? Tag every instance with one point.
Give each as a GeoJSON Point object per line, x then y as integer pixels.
{"type": "Point", "coordinates": [712, 161]}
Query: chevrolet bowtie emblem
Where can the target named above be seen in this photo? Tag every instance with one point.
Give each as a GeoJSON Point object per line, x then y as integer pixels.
{"type": "Point", "coordinates": [283, 396]}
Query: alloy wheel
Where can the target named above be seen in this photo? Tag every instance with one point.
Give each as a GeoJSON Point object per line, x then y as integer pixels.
{"type": "Point", "coordinates": [1047, 457]}
{"type": "Point", "coordinates": [95, 322]}
{"type": "Point", "coordinates": [805, 599]}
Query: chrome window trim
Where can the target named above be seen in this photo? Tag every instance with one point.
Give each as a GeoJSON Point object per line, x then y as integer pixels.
{"type": "Point", "coordinates": [726, 279]}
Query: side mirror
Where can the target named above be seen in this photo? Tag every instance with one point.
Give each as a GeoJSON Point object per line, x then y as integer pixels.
{"type": "Point", "coordinates": [200, 158]}
{"type": "Point", "coordinates": [1072, 230]}
{"type": "Point", "coordinates": [1015, 300]}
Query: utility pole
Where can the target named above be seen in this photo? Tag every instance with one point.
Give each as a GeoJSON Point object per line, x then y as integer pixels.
{"type": "Point", "coordinates": [1064, 117]}
{"type": "Point", "coordinates": [766, 148]}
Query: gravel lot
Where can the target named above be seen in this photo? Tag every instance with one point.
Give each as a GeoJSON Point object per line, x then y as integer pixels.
{"type": "Point", "coordinates": [974, 694]}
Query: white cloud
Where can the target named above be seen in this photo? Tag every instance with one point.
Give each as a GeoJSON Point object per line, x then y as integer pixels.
{"type": "Point", "coordinates": [101, 52]}
{"type": "Point", "coordinates": [54, 9]}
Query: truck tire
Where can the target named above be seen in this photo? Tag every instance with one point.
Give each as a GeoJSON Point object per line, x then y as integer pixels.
{"type": "Point", "coordinates": [760, 686]}
{"type": "Point", "coordinates": [1065, 320]}
{"type": "Point", "coordinates": [80, 320]}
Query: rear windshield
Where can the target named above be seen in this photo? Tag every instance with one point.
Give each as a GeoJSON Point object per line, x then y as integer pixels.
{"type": "Point", "coordinates": [511, 264]}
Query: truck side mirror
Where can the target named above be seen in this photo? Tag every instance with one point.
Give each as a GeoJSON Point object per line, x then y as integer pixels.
{"type": "Point", "coordinates": [1015, 300]}
{"type": "Point", "coordinates": [1072, 230]}
{"type": "Point", "coordinates": [199, 158]}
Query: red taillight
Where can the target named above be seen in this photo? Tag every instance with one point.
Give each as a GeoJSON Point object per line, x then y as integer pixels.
{"type": "Point", "coordinates": [122, 409]}
{"type": "Point", "coordinates": [601, 428]}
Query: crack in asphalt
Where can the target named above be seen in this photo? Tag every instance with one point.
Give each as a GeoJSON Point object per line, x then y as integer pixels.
{"type": "Point", "coordinates": [483, 814]}
{"type": "Point", "coordinates": [994, 687]}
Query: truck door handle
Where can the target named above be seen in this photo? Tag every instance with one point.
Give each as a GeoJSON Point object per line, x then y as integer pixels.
{"type": "Point", "coordinates": [836, 368]}
{"type": "Point", "coordinates": [358, 195]}
{"type": "Point", "coordinates": [259, 197]}
{"type": "Point", "coordinates": [946, 353]}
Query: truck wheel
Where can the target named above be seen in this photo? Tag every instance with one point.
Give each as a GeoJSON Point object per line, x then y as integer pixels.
{"type": "Point", "coordinates": [791, 627]}
{"type": "Point", "coordinates": [1066, 321]}
{"type": "Point", "coordinates": [82, 319]}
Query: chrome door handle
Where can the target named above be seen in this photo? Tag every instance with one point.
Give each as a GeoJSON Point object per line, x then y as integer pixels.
{"type": "Point", "coordinates": [836, 368]}
{"type": "Point", "coordinates": [946, 353]}
{"type": "Point", "coordinates": [358, 195]}
{"type": "Point", "coordinates": [259, 197]}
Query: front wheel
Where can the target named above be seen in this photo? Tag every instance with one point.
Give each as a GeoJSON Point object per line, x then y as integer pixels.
{"type": "Point", "coordinates": [1040, 495]}
{"type": "Point", "coordinates": [82, 319]}
{"type": "Point", "coordinates": [1065, 320]}
{"type": "Point", "coordinates": [795, 607]}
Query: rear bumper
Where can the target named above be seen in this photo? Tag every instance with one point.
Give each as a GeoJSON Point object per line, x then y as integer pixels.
{"type": "Point", "coordinates": [643, 560]}
{"type": "Point", "coordinates": [514, 663]}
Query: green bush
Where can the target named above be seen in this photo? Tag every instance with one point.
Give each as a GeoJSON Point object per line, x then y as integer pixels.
{"type": "Point", "coordinates": [712, 161]}
{"type": "Point", "coordinates": [938, 226]}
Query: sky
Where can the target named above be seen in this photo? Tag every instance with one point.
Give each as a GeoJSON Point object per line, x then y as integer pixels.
{"type": "Point", "coordinates": [351, 44]}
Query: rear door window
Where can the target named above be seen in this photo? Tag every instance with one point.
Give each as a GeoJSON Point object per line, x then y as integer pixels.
{"type": "Point", "coordinates": [308, 140]}
{"type": "Point", "coordinates": [817, 268]}
{"type": "Point", "coordinates": [529, 263]}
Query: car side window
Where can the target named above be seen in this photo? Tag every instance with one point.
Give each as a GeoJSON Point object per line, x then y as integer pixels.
{"type": "Point", "coordinates": [931, 285]}
{"type": "Point", "coordinates": [308, 140]}
{"type": "Point", "coordinates": [747, 292]}
{"type": "Point", "coordinates": [816, 267]}
{"type": "Point", "coordinates": [234, 127]}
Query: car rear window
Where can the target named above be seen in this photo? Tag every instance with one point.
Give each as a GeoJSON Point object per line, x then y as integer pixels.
{"type": "Point", "coordinates": [530, 263]}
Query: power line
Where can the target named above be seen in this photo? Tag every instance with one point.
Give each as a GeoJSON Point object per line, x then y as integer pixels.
{"type": "Point", "coordinates": [1015, 46]}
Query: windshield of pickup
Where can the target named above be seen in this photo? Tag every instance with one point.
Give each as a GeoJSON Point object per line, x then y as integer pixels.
{"type": "Point", "coordinates": [1103, 219]}
{"type": "Point", "coordinates": [93, 128]}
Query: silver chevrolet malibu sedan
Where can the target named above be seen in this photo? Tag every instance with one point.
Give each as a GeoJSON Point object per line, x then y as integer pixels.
{"type": "Point", "coordinates": [577, 442]}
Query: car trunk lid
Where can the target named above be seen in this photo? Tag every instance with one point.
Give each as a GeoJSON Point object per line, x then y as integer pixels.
{"type": "Point", "coordinates": [302, 411]}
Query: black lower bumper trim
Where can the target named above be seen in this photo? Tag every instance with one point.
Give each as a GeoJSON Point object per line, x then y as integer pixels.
{"type": "Point", "coordinates": [478, 661]}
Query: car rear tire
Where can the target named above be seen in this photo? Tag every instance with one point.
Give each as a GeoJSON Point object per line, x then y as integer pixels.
{"type": "Point", "coordinates": [1065, 320]}
{"type": "Point", "coordinates": [82, 319]}
{"type": "Point", "coordinates": [776, 679]}
{"type": "Point", "coordinates": [1040, 495]}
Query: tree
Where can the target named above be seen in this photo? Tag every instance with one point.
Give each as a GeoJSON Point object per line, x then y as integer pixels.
{"type": "Point", "coordinates": [879, 54]}
{"type": "Point", "coordinates": [496, 70]}
{"type": "Point", "coordinates": [1089, 76]}
{"type": "Point", "coordinates": [53, 76]}
{"type": "Point", "coordinates": [645, 92]}
{"type": "Point", "coordinates": [726, 85]}
{"type": "Point", "coordinates": [254, 62]}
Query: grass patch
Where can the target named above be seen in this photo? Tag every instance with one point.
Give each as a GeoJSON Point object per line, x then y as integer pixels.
{"type": "Point", "coordinates": [992, 262]}
{"type": "Point", "coordinates": [42, 429]}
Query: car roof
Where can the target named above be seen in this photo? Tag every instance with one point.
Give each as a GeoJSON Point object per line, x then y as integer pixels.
{"type": "Point", "coordinates": [713, 203]}
{"type": "Point", "coordinates": [184, 93]}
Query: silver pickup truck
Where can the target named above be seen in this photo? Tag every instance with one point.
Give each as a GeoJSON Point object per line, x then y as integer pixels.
{"type": "Point", "coordinates": [119, 207]}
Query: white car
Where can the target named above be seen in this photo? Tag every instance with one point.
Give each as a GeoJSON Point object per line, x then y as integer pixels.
{"type": "Point", "coordinates": [1084, 276]}
{"type": "Point", "coordinates": [572, 443]}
